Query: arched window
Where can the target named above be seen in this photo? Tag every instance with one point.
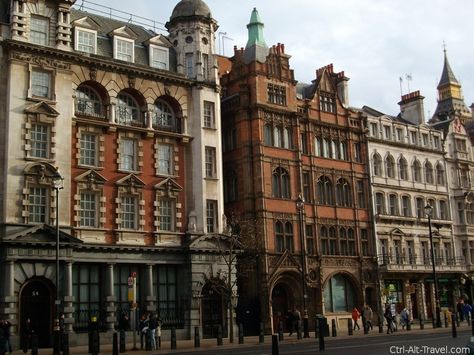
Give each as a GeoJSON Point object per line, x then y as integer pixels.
{"type": "Point", "coordinates": [334, 149]}
{"type": "Point", "coordinates": [283, 236]}
{"type": "Point", "coordinates": [279, 237]}
{"type": "Point", "coordinates": [325, 191]}
{"type": "Point", "coordinates": [417, 171]}
{"type": "Point", "coordinates": [267, 134]}
{"type": "Point", "coordinates": [343, 150]}
{"type": "Point", "coordinates": [390, 166]}
{"type": "Point", "coordinates": [287, 138]}
{"type": "Point", "coordinates": [429, 173]}
{"type": "Point", "coordinates": [278, 136]}
{"type": "Point", "coordinates": [88, 102]}
{"type": "Point", "coordinates": [406, 206]}
{"type": "Point", "coordinates": [339, 295]}
{"type": "Point", "coordinates": [403, 167]}
{"type": "Point", "coordinates": [127, 111]}
{"type": "Point", "coordinates": [379, 203]}
{"type": "Point", "coordinates": [470, 213]}
{"type": "Point", "coordinates": [289, 236]}
{"type": "Point", "coordinates": [280, 183]}
{"type": "Point", "coordinates": [351, 242]}
{"type": "Point", "coordinates": [439, 174]}
{"type": "Point", "coordinates": [343, 193]}
{"type": "Point", "coordinates": [377, 165]}
{"type": "Point", "coordinates": [163, 117]}
{"type": "Point", "coordinates": [324, 241]}
{"type": "Point", "coordinates": [318, 146]}
{"type": "Point", "coordinates": [393, 205]}
{"type": "Point", "coordinates": [326, 148]}
{"type": "Point", "coordinates": [343, 242]}
{"type": "Point", "coordinates": [332, 241]}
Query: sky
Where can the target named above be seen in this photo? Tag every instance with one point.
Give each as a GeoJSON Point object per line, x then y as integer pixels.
{"type": "Point", "coordinates": [375, 42]}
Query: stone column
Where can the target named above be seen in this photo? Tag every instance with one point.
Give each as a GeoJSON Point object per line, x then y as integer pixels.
{"type": "Point", "coordinates": [110, 297]}
{"type": "Point", "coordinates": [150, 299]}
{"type": "Point", "coordinates": [420, 299]}
{"type": "Point", "coordinates": [9, 302]}
{"type": "Point", "coordinates": [149, 116]}
{"type": "Point", "coordinates": [68, 298]}
{"type": "Point", "coordinates": [112, 118]}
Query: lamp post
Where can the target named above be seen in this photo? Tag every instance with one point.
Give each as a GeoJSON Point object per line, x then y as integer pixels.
{"type": "Point", "coordinates": [429, 212]}
{"type": "Point", "coordinates": [57, 184]}
{"type": "Point", "coordinates": [300, 208]}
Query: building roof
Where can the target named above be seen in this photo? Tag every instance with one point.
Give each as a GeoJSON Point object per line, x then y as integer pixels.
{"type": "Point", "coordinates": [187, 8]}
{"type": "Point", "coordinates": [447, 77]}
{"type": "Point", "coordinates": [256, 48]}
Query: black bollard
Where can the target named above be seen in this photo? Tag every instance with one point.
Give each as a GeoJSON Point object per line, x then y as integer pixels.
{"type": "Point", "coordinates": [316, 327]}
{"type": "Point", "coordinates": [365, 325]}
{"type": "Point", "coordinates": [322, 327]}
{"type": "Point", "coordinates": [433, 320]}
{"type": "Point", "coordinates": [95, 339]}
{"type": "Point", "coordinates": [349, 327]}
{"type": "Point", "coordinates": [472, 326]}
{"type": "Point", "coordinates": [173, 338]}
{"type": "Point", "coordinates": [333, 328]}
{"type": "Point", "coordinates": [56, 342]}
{"type": "Point", "coordinates": [197, 338]}
{"type": "Point", "coordinates": [241, 333]}
{"type": "Point", "coordinates": [380, 325]}
{"type": "Point", "coordinates": [445, 319]}
{"type": "Point", "coordinates": [34, 344]}
{"type": "Point", "coordinates": [298, 330]}
{"type": "Point", "coordinates": [275, 349]}
{"type": "Point", "coordinates": [453, 325]}
{"type": "Point", "coordinates": [115, 344]}
{"type": "Point", "coordinates": [458, 316]}
{"type": "Point", "coordinates": [122, 341]}
{"type": "Point", "coordinates": [148, 345]}
{"type": "Point", "coordinates": [422, 324]}
{"type": "Point", "coordinates": [261, 337]}
{"type": "Point", "coordinates": [65, 343]}
{"type": "Point", "coordinates": [219, 335]}
{"type": "Point", "coordinates": [409, 324]}
{"type": "Point", "coordinates": [280, 331]}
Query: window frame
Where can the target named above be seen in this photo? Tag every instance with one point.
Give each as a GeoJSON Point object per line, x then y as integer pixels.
{"type": "Point", "coordinates": [210, 162]}
{"type": "Point", "coordinates": [46, 21]}
{"type": "Point", "coordinates": [92, 212]}
{"type": "Point", "coordinates": [209, 114]}
{"type": "Point", "coordinates": [129, 216]}
{"type": "Point", "coordinates": [77, 45]}
{"type": "Point", "coordinates": [123, 165]}
{"type": "Point", "coordinates": [121, 55]}
{"type": "Point", "coordinates": [34, 87]}
{"type": "Point", "coordinates": [34, 143]}
{"type": "Point", "coordinates": [154, 62]}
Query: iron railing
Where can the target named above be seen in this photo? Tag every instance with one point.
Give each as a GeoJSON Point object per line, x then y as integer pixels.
{"type": "Point", "coordinates": [418, 260]}
{"type": "Point", "coordinates": [90, 109]}
{"type": "Point", "coordinates": [83, 317]}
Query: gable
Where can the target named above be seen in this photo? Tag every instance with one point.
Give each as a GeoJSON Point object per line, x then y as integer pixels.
{"type": "Point", "coordinates": [130, 180]}
{"type": "Point", "coordinates": [42, 108]}
{"type": "Point", "coordinates": [86, 22]}
{"type": "Point", "coordinates": [168, 184]}
{"type": "Point", "coordinates": [91, 176]}
{"type": "Point", "coordinates": [125, 32]}
{"type": "Point", "coordinates": [41, 233]}
{"type": "Point", "coordinates": [159, 40]}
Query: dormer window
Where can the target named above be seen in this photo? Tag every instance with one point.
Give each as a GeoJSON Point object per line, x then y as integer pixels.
{"type": "Point", "coordinates": [39, 29]}
{"type": "Point", "coordinates": [85, 41]}
{"type": "Point", "coordinates": [124, 49]}
{"type": "Point", "coordinates": [159, 57]}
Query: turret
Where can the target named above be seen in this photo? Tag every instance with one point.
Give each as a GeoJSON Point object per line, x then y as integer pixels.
{"type": "Point", "coordinates": [256, 48]}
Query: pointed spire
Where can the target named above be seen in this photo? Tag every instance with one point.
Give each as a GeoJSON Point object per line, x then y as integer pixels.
{"type": "Point", "coordinates": [447, 77]}
{"type": "Point", "coordinates": [256, 48]}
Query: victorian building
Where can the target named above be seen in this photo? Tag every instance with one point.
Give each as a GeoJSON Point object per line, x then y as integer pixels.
{"type": "Point", "coordinates": [127, 119]}
{"type": "Point", "coordinates": [295, 157]}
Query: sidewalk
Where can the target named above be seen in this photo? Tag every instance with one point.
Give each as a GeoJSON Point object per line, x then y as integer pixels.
{"type": "Point", "coordinates": [187, 346]}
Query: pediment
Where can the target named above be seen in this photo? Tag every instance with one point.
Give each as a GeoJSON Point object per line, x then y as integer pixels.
{"type": "Point", "coordinates": [42, 108]}
{"type": "Point", "coordinates": [125, 32]}
{"type": "Point", "coordinates": [397, 232]}
{"type": "Point", "coordinates": [43, 169]}
{"type": "Point", "coordinates": [209, 242]}
{"type": "Point", "coordinates": [91, 177]}
{"type": "Point", "coordinates": [286, 261]}
{"type": "Point", "coordinates": [168, 184]}
{"type": "Point", "coordinates": [41, 233]}
{"type": "Point", "coordinates": [130, 180]}
{"type": "Point", "coordinates": [325, 84]}
{"type": "Point", "coordinates": [159, 40]}
{"type": "Point", "coordinates": [86, 22]}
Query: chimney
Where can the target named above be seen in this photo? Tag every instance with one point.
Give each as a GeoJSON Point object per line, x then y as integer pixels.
{"type": "Point", "coordinates": [412, 109]}
{"type": "Point", "coordinates": [343, 89]}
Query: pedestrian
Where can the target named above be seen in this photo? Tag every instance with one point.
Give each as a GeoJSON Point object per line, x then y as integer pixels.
{"type": "Point", "coordinates": [404, 317]}
{"type": "Point", "coordinates": [355, 318]}
{"type": "Point", "coordinates": [467, 309]}
{"type": "Point", "coordinates": [5, 326]}
{"type": "Point", "coordinates": [158, 331]}
{"type": "Point", "coordinates": [124, 322]}
{"type": "Point", "coordinates": [296, 319]}
{"type": "Point", "coordinates": [367, 315]}
{"type": "Point", "coordinates": [143, 328]}
{"type": "Point", "coordinates": [26, 333]}
{"type": "Point", "coordinates": [290, 323]}
{"type": "Point", "coordinates": [152, 324]}
{"type": "Point", "coordinates": [459, 309]}
{"type": "Point", "coordinates": [389, 318]}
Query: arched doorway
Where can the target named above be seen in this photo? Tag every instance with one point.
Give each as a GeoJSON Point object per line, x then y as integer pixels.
{"type": "Point", "coordinates": [36, 303]}
{"type": "Point", "coordinates": [339, 294]}
{"type": "Point", "coordinates": [212, 310]}
{"type": "Point", "coordinates": [280, 306]}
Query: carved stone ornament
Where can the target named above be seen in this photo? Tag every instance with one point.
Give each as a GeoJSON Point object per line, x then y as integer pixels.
{"type": "Point", "coordinates": [131, 82]}
{"type": "Point", "coordinates": [41, 61]}
{"type": "Point", "coordinates": [339, 262]}
{"type": "Point", "coordinates": [93, 74]}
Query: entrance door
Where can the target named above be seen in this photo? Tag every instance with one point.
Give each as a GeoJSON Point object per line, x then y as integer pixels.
{"type": "Point", "coordinates": [36, 303]}
{"type": "Point", "coordinates": [279, 306]}
{"type": "Point", "coordinates": [212, 312]}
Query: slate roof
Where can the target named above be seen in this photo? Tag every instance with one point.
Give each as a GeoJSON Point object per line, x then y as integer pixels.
{"type": "Point", "coordinates": [447, 77]}
{"type": "Point", "coordinates": [4, 11]}
{"type": "Point", "coordinates": [187, 8]}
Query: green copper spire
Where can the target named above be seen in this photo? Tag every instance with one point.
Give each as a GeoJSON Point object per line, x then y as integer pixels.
{"type": "Point", "coordinates": [255, 28]}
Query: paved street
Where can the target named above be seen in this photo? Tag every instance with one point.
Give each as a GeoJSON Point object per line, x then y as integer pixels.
{"type": "Point", "coordinates": [428, 341]}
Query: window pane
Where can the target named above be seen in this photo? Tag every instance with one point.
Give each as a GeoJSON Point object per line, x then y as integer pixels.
{"type": "Point", "coordinates": [39, 28]}
{"type": "Point", "coordinates": [39, 140]}
{"type": "Point", "coordinates": [40, 83]}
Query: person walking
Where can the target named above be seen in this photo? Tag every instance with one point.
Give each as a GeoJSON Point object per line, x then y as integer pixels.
{"type": "Point", "coordinates": [467, 309]}
{"type": "Point", "coordinates": [290, 323]}
{"type": "Point", "coordinates": [159, 323]}
{"type": "Point", "coordinates": [152, 324]}
{"type": "Point", "coordinates": [459, 310]}
{"type": "Point", "coordinates": [26, 332]}
{"type": "Point", "coordinates": [389, 318]}
{"type": "Point", "coordinates": [296, 319]}
{"type": "Point", "coordinates": [355, 318]}
{"type": "Point", "coordinates": [404, 317]}
{"type": "Point", "coordinates": [143, 328]}
{"type": "Point", "coordinates": [5, 327]}
{"type": "Point", "coordinates": [367, 315]}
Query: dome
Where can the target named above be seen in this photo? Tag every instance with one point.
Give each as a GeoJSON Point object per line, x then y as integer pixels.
{"type": "Point", "coordinates": [186, 8]}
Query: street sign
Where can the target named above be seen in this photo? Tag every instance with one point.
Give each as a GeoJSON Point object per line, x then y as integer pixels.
{"type": "Point", "coordinates": [132, 289]}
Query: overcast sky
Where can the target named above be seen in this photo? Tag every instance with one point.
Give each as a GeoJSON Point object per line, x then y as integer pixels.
{"type": "Point", "coordinates": [375, 42]}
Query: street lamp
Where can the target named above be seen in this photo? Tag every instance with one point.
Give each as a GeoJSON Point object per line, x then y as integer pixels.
{"type": "Point", "coordinates": [58, 184]}
{"type": "Point", "coordinates": [429, 213]}
{"type": "Point", "coordinates": [300, 208]}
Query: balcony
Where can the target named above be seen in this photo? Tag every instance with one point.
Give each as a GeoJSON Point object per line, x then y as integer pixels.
{"type": "Point", "coordinates": [165, 122]}
{"type": "Point", "coordinates": [129, 117]}
{"type": "Point", "coordinates": [417, 263]}
{"type": "Point", "coordinates": [90, 109]}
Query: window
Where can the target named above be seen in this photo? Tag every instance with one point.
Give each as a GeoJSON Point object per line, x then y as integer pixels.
{"type": "Point", "coordinates": [388, 132]}
{"type": "Point", "coordinates": [434, 214]}
{"type": "Point", "coordinates": [38, 205]}
{"type": "Point", "coordinates": [417, 171]}
{"type": "Point", "coordinates": [211, 216]}
{"type": "Point", "coordinates": [128, 154]}
{"type": "Point", "coordinates": [88, 149]}
{"type": "Point", "coordinates": [424, 137]}
{"type": "Point", "coordinates": [351, 249]}
{"type": "Point", "coordinates": [39, 30]}
{"type": "Point", "coordinates": [327, 103]}
{"type": "Point", "coordinates": [129, 206]}
{"type": "Point", "coordinates": [334, 147]}
{"type": "Point", "coordinates": [40, 84]}
{"type": "Point", "coordinates": [403, 166]}
{"type": "Point", "coordinates": [304, 143]}
{"type": "Point", "coordinates": [390, 166]}
{"type": "Point", "coordinates": [276, 94]}
{"type": "Point", "coordinates": [283, 236]}
{"type": "Point", "coordinates": [307, 186]}
{"type": "Point", "coordinates": [86, 41]}
{"type": "Point", "coordinates": [159, 57]}
{"type": "Point", "coordinates": [343, 193]}
{"type": "Point", "coordinates": [439, 174]}
{"type": "Point", "coordinates": [127, 110]}
{"type": "Point", "coordinates": [163, 117]}
{"type": "Point", "coordinates": [436, 142]}
{"type": "Point", "coordinates": [461, 145]}
{"type": "Point", "coordinates": [209, 118]}
{"type": "Point", "coordinates": [364, 239]}
{"type": "Point", "coordinates": [189, 58]}
{"type": "Point", "coordinates": [39, 141]}
{"type": "Point", "coordinates": [86, 289]}
{"type": "Point", "coordinates": [461, 215]}
{"type": "Point", "coordinates": [393, 205]}
{"type": "Point", "coordinates": [399, 134]}
{"type": "Point", "coordinates": [325, 191]}
{"type": "Point", "coordinates": [324, 241]}
{"type": "Point", "coordinates": [287, 138]}
{"type": "Point", "coordinates": [230, 187]}
{"type": "Point", "coordinates": [210, 163]}
{"type": "Point", "coordinates": [420, 208]}
{"type": "Point", "coordinates": [413, 137]}
{"type": "Point", "coordinates": [88, 209]}
{"type": "Point", "coordinates": [377, 161]}
{"type": "Point", "coordinates": [267, 134]}
{"type": "Point", "coordinates": [338, 295]}
{"type": "Point", "coordinates": [229, 139]}
{"type": "Point", "coordinates": [406, 206]}
{"type": "Point", "coordinates": [464, 177]}
{"type": "Point", "coordinates": [357, 152]}
{"type": "Point", "coordinates": [88, 102]}
{"type": "Point", "coordinates": [280, 183]}
{"type": "Point", "coordinates": [326, 148]}
{"type": "Point", "coordinates": [309, 239]}
{"type": "Point", "coordinates": [429, 173]}
{"type": "Point", "coordinates": [124, 50]}
{"type": "Point", "coordinates": [343, 151]}
{"type": "Point", "coordinates": [443, 210]}
{"type": "Point", "coordinates": [166, 214]}
{"type": "Point", "coordinates": [165, 159]}
{"type": "Point", "coordinates": [379, 203]}
{"type": "Point", "coordinates": [167, 292]}
{"type": "Point", "coordinates": [205, 66]}
{"type": "Point", "coordinates": [278, 136]}
{"type": "Point", "coordinates": [470, 213]}
{"type": "Point", "coordinates": [361, 194]}
{"type": "Point", "coordinates": [373, 129]}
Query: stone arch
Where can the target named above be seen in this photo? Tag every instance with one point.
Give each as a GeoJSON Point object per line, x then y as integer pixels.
{"type": "Point", "coordinates": [348, 290]}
